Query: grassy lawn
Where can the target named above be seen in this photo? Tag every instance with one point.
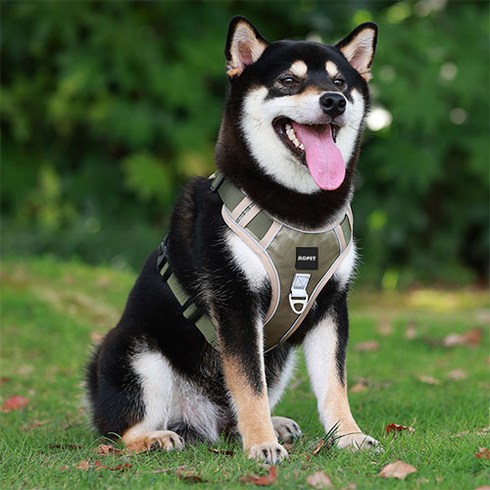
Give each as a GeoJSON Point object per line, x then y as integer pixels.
{"type": "Point", "coordinates": [411, 362]}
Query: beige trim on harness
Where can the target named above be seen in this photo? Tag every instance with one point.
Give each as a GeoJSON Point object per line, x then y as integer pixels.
{"type": "Point", "coordinates": [260, 251]}
{"type": "Point", "coordinates": [241, 207]}
{"type": "Point", "coordinates": [294, 286]}
{"type": "Point", "coordinates": [271, 234]}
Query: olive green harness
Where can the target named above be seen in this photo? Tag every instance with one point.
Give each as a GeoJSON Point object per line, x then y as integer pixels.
{"type": "Point", "coordinates": [298, 263]}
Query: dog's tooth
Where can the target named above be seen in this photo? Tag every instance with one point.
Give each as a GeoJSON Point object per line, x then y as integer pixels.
{"type": "Point", "coordinates": [292, 136]}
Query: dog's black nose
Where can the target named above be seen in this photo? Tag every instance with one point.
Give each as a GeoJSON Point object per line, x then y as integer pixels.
{"type": "Point", "coordinates": [333, 104]}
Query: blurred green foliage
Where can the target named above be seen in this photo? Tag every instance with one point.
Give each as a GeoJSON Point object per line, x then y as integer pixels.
{"type": "Point", "coordinates": [108, 107]}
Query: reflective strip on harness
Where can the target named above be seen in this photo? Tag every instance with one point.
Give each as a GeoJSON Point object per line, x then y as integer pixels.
{"type": "Point", "coordinates": [282, 250]}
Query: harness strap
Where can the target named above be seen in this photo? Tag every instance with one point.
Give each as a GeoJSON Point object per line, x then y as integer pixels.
{"type": "Point", "coordinates": [189, 309]}
{"type": "Point", "coordinates": [255, 220]}
{"type": "Point", "coordinates": [258, 230]}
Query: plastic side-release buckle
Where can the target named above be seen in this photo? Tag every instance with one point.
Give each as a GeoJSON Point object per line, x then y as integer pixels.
{"type": "Point", "coordinates": [298, 298]}
{"type": "Point", "coordinates": [162, 254]}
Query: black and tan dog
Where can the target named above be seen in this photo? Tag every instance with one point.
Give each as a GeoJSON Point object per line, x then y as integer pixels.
{"type": "Point", "coordinates": [257, 261]}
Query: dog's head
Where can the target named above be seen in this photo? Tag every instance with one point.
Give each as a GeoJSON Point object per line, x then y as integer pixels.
{"type": "Point", "coordinates": [300, 105]}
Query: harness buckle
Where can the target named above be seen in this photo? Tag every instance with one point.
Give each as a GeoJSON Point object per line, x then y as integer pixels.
{"type": "Point", "coordinates": [162, 254]}
{"type": "Point", "coordinates": [298, 298]}
{"type": "Point", "coordinates": [218, 179]}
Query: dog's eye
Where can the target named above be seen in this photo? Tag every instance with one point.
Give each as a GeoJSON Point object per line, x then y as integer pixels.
{"type": "Point", "coordinates": [289, 81]}
{"type": "Point", "coordinates": [339, 82]}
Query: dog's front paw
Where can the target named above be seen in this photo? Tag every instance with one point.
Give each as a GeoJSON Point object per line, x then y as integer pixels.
{"type": "Point", "coordinates": [286, 429]}
{"type": "Point", "coordinates": [269, 453]}
{"type": "Point", "coordinates": [358, 442]}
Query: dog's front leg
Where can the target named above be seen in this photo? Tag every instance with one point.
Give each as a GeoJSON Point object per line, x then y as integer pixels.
{"type": "Point", "coordinates": [242, 356]}
{"type": "Point", "coordinates": [325, 349]}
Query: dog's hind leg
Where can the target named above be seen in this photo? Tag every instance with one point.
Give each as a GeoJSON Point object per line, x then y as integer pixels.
{"type": "Point", "coordinates": [286, 429]}
{"type": "Point", "coordinates": [156, 378]}
{"type": "Point", "coordinates": [138, 438]}
{"type": "Point", "coordinates": [325, 349]}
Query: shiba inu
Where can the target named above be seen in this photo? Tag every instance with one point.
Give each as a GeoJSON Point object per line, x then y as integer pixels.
{"type": "Point", "coordinates": [257, 261]}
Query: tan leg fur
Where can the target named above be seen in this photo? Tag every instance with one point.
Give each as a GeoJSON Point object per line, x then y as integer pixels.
{"type": "Point", "coordinates": [253, 415]}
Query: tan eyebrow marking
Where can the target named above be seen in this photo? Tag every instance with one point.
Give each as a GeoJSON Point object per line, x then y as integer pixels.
{"type": "Point", "coordinates": [298, 69]}
{"type": "Point", "coordinates": [332, 69]}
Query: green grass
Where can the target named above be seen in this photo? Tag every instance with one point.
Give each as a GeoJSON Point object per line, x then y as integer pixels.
{"type": "Point", "coordinates": [51, 309]}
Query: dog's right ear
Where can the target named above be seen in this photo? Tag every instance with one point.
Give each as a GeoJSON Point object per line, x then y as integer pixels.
{"type": "Point", "coordinates": [244, 46]}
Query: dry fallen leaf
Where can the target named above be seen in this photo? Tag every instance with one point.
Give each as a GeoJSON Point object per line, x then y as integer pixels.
{"type": "Point", "coordinates": [358, 387]}
{"type": "Point", "coordinates": [108, 449]}
{"type": "Point", "coordinates": [470, 338]}
{"type": "Point", "coordinates": [367, 346]}
{"type": "Point", "coordinates": [33, 425]}
{"type": "Point", "coordinates": [398, 428]}
{"type": "Point", "coordinates": [119, 467]}
{"type": "Point", "coordinates": [137, 447]}
{"type": "Point", "coordinates": [189, 476]}
{"type": "Point", "coordinates": [411, 331]}
{"type": "Point", "coordinates": [319, 480]}
{"type": "Point", "coordinates": [98, 466]}
{"type": "Point", "coordinates": [457, 374]}
{"type": "Point", "coordinates": [483, 453]}
{"type": "Point", "coordinates": [429, 380]}
{"type": "Point", "coordinates": [398, 469]}
{"type": "Point", "coordinates": [384, 327]}
{"type": "Point", "coordinates": [479, 432]}
{"type": "Point", "coordinates": [317, 449]}
{"type": "Point", "coordinates": [351, 486]}
{"type": "Point", "coordinates": [261, 481]}
{"type": "Point", "coordinates": [83, 465]}
{"type": "Point", "coordinates": [14, 403]}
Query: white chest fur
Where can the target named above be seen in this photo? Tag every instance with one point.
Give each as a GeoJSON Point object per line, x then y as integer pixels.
{"type": "Point", "coordinates": [247, 261]}
{"type": "Point", "coordinates": [251, 266]}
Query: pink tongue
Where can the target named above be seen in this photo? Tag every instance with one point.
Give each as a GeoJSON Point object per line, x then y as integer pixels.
{"type": "Point", "coordinates": [323, 157]}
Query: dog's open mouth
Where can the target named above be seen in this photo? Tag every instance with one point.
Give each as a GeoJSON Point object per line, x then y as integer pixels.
{"type": "Point", "coordinates": [315, 146]}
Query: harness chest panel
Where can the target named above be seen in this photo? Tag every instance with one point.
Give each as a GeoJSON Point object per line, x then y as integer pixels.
{"type": "Point", "coordinates": [298, 263]}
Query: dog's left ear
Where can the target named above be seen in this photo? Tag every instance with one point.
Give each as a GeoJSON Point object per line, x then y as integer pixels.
{"type": "Point", "coordinates": [244, 46]}
{"type": "Point", "coordinates": [359, 48]}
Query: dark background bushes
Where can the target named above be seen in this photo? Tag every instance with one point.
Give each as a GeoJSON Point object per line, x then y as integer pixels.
{"type": "Point", "coordinates": [108, 107]}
